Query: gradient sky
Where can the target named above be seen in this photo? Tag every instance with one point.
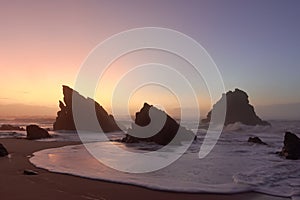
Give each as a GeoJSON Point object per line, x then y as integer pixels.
{"type": "Point", "coordinates": [255, 44]}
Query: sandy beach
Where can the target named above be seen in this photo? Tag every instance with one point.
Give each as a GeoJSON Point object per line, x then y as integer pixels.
{"type": "Point", "coordinates": [48, 185]}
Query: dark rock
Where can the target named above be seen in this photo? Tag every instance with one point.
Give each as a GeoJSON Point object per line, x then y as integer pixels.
{"type": "Point", "coordinates": [3, 151]}
{"type": "Point", "coordinates": [238, 109]}
{"type": "Point", "coordinates": [8, 127]}
{"type": "Point", "coordinates": [291, 149]}
{"type": "Point", "coordinates": [30, 172]}
{"type": "Point", "coordinates": [256, 140]}
{"type": "Point", "coordinates": [34, 132]}
{"type": "Point", "coordinates": [164, 135]}
{"type": "Point", "coordinates": [65, 121]}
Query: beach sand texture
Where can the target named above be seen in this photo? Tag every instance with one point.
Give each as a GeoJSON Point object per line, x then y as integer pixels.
{"type": "Point", "coordinates": [46, 185]}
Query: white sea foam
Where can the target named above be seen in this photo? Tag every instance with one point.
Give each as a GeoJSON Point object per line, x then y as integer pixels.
{"type": "Point", "coordinates": [12, 134]}
{"type": "Point", "coordinates": [233, 166]}
{"type": "Point", "coordinates": [188, 174]}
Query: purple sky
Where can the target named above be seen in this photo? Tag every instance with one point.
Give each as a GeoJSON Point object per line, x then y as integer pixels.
{"type": "Point", "coordinates": [255, 44]}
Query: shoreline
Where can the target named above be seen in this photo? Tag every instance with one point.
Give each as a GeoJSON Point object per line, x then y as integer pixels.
{"type": "Point", "coordinates": [50, 185]}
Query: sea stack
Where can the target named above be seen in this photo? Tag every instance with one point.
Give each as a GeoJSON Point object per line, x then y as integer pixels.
{"type": "Point", "coordinates": [164, 135]}
{"type": "Point", "coordinates": [8, 127]}
{"type": "Point", "coordinates": [256, 140]}
{"type": "Point", "coordinates": [291, 148]}
{"type": "Point", "coordinates": [238, 109]}
{"type": "Point", "coordinates": [65, 121]}
{"type": "Point", "coordinates": [34, 132]}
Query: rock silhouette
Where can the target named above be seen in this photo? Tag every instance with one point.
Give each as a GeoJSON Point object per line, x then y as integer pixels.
{"type": "Point", "coordinates": [238, 109]}
{"type": "Point", "coordinates": [291, 148]}
{"type": "Point", "coordinates": [165, 133]}
{"type": "Point", "coordinates": [8, 127]}
{"type": "Point", "coordinates": [256, 140]}
{"type": "Point", "coordinates": [35, 132]}
{"type": "Point", "coordinates": [3, 151]}
{"type": "Point", "coordinates": [65, 121]}
{"type": "Point", "coordinates": [29, 172]}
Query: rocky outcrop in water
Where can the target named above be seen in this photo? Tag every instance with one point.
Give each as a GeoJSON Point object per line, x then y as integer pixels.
{"type": "Point", "coordinates": [8, 127]}
{"type": "Point", "coordinates": [3, 151]}
{"type": "Point", "coordinates": [291, 148]}
{"type": "Point", "coordinates": [165, 132]}
{"type": "Point", "coordinates": [65, 121]}
{"type": "Point", "coordinates": [35, 132]}
{"type": "Point", "coordinates": [238, 109]}
{"type": "Point", "coordinates": [256, 140]}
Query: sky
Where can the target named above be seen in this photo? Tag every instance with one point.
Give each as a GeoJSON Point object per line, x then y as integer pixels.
{"type": "Point", "coordinates": [255, 45]}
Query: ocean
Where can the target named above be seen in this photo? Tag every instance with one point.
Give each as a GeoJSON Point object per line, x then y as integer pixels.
{"type": "Point", "coordinates": [233, 166]}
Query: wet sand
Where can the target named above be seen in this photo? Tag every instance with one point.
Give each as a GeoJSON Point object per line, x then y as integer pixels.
{"type": "Point", "coordinates": [47, 185]}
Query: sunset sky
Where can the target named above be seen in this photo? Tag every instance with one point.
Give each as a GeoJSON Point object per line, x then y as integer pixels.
{"type": "Point", "coordinates": [255, 44]}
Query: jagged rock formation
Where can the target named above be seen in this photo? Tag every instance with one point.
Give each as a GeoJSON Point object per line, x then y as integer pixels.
{"type": "Point", "coordinates": [256, 140]}
{"type": "Point", "coordinates": [35, 132]}
{"type": "Point", "coordinates": [238, 109]}
{"type": "Point", "coordinates": [3, 151]}
{"type": "Point", "coordinates": [163, 135]}
{"type": "Point", "coordinates": [65, 121]}
{"type": "Point", "coordinates": [8, 127]}
{"type": "Point", "coordinates": [291, 148]}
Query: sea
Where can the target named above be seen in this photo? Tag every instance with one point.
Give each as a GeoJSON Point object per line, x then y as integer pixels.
{"type": "Point", "coordinates": [233, 165]}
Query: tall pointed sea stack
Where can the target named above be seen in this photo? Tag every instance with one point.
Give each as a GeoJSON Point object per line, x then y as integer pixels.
{"type": "Point", "coordinates": [238, 109]}
{"type": "Point", "coordinates": [65, 121]}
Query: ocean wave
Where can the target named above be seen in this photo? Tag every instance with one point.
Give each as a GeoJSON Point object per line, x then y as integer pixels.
{"type": "Point", "coordinates": [233, 166]}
